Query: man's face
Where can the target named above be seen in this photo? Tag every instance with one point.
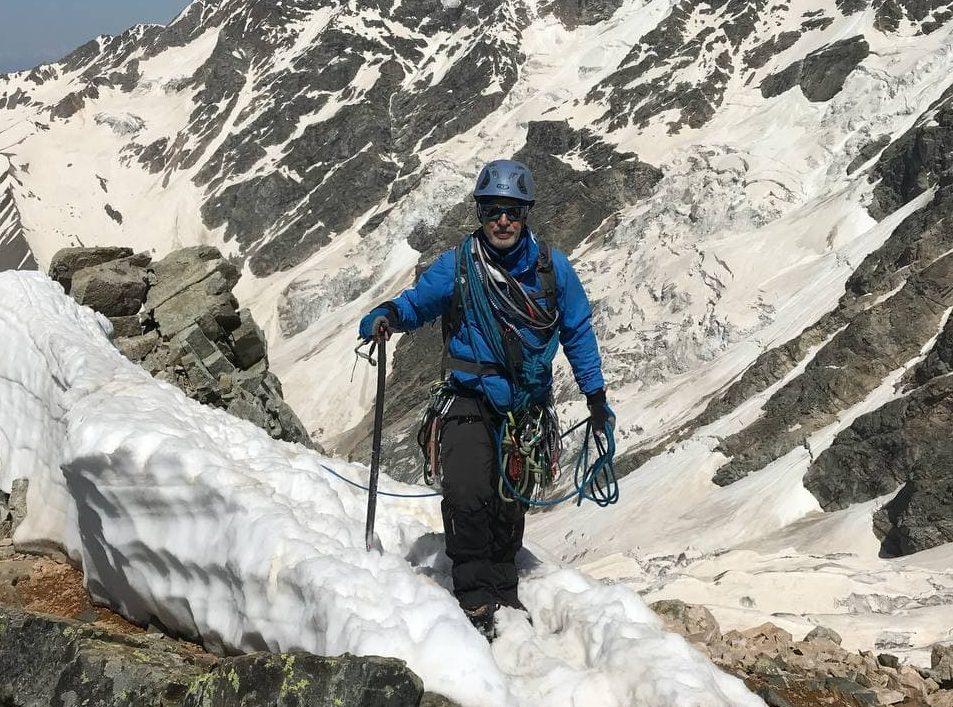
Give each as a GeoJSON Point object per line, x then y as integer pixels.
{"type": "Point", "coordinates": [503, 224]}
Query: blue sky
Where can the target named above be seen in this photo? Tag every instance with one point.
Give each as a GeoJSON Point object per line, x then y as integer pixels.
{"type": "Point", "coordinates": [36, 31]}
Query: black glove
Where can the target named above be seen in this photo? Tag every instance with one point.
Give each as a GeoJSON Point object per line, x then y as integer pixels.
{"type": "Point", "coordinates": [603, 419]}
{"type": "Point", "coordinates": [383, 317]}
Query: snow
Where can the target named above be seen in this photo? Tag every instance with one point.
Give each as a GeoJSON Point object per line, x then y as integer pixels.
{"type": "Point", "coordinates": [184, 514]}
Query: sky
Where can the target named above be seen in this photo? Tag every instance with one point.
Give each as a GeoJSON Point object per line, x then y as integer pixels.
{"type": "Point", "coordinates": [38, 31]}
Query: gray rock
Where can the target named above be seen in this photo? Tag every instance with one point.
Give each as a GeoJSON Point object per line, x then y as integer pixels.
{"type": "Point", "coordinates": [888, 660]}
{"type": "Point", "coordinates": [68, 261]}
{"type": "Point", "coordinates": [193, 340]}
{"type": "Point", "coordinates": [693, 621]}
{"type": "Point", "coordinates": [116, 288]}
{"type": "Point", "coordinates": [822, 633]}
{"type": "Point", "coordinates": [248, 341]}
{"type": "Point", "coordinates": [941, 663]}
{"type": "Point", "coordinates": [292, 679]}
{"type": "Point", "coordinates": [45, 660]}
{"type": "Point", "coordinates": [136, 348]}
{"type": "Point", "coordinates": [247, 407]}
{"type": "Point", "coordinates": [182, 269]}
{"type": "Point", "coordinates": [821, 74]}
{"type": "Point", "coordinates": [201, 381]}
{"type": "Point", "coordinates": [218, 364]}
{"type": "Point", "coordinates": [17, 502]}
{"type": "Point", "coordinates": [126, 327]}
{"type": "Point", "coordinates": [215, 313]}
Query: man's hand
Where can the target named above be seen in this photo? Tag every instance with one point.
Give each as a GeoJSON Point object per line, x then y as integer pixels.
{"type": "Point", "coordinates": [380, 321]}
{"type": "Point", "coordinates": [603, 419]}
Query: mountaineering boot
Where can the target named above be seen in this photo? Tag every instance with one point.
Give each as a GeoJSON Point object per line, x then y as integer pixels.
{"type": "Point", "coordinates": [483, 619]}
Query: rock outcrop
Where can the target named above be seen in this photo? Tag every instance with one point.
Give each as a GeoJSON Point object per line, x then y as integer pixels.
{"type": "Point", "coordinates": [815, 670]}
{"type": "Point", "coordinates": [179, 320]}
{"type": "Point", "coordinates": [820, 74]}
{"type": "Point", "coordinates": [47, 660]}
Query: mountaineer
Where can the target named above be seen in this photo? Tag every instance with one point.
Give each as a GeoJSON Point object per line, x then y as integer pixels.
{"type": "Point", "coordinates": [507, 300]}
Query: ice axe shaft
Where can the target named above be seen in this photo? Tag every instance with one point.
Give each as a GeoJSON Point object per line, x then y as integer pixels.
{"type": "Point", "coordinates": [381, 343]}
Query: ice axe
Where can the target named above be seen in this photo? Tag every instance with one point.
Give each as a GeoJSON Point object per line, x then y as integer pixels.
{"type": "Point", "coordinates": [380, 343]}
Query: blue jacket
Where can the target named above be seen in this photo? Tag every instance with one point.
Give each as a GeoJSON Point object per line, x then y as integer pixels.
{"type": "Point", "coordinates": [432, 295]}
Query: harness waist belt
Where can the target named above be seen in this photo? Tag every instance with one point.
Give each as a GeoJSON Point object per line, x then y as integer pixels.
{"type": "Point", "coordinates": [471, 367]}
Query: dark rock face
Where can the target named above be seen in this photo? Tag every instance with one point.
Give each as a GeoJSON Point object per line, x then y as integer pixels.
{"type": "Point", "coordinates": [880, 450]}
{"type": "Point", "coordinates": [573, 13]}
{"type": "Point", "coordinates": [178, 319]}
{"type": "Point", "coordinates": [116, 288]}
{"type": "Point", "coordinates": [303, 679]}
{"type": "Point", "coordinates": [363, 144]}
{"type": "Point", "coordinates": [868, 152]}
{"type": "Point", "coordinates": [820, 74]}
{"type": "Point", "coordinates": [916, 160]}
{"type": "Point", "coordinates": [68, 261]}
{"type": "Point", "coordinates": [665, 51]}
{"type": "Point", "coordinates": [764, 52]}
{"type": "Point", "coordinates": [15, 253]}
{"type": "Point", "coordinates": [876, 341]}
{"type": "Point", "coordinates": [45, 660]}
{"type": "Point", "coordinates": [903, 444]}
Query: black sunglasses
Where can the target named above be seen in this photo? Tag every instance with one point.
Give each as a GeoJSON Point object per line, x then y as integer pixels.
{"type": "Point", "coordinates": [491, 212]}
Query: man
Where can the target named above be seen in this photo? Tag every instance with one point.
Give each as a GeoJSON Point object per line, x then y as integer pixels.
{"type": "Point", "coordinates": [509, 299]}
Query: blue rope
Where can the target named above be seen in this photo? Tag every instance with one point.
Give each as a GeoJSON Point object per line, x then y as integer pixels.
{"type": "Point", "coordinates": [599, 478]}
{"type": "Point", "coordinates": [379, 493]}
{"type": "Point", "coordinates": [602, 494]}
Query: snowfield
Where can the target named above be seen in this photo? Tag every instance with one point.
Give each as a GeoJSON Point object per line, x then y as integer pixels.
{"type": "Point", "coordinates": [184, 514]}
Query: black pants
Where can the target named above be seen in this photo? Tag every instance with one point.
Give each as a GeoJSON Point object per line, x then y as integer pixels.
{"type": "Point", "coordinates": [483, 532]}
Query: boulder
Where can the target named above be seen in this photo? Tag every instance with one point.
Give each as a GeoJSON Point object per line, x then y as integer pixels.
{"type": "Point", "coordinates": [214, 311]}
{"type": "Point", "coordinates": [116, 288]}
{"type": "Point", "coordinates": [941, 699]}
{"type": "Point", "coordinates": [696, 623]}
{"type": "Point", "coordinates": [126, 327]}
{"type": "Point", "coordinates": [187, 267]}
{"type": "Point", "coordinates": [941, 663]}
{"type": "Point", "coordinates": [304, 679]}
{"type": "Point", "coordinates": [68, 261]}
{"type": "Point", "coordinates": [823, 633]}
{"type": "Point", "coordinates": [196, 337]}
{"type": "Point", "coordinates": [248, 341]}
{"type": "Point", "coordinates": [17, 502]}
{"type": "Point", "coordinates": [136, 348]}
{"type": "Point", "coordinates": [45, 660]}
{"type": "Point", "coordinates": [888, 661]}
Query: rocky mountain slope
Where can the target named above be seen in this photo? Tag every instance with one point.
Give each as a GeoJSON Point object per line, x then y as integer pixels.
{"type": "Point", "coordinates": [755, 194]}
